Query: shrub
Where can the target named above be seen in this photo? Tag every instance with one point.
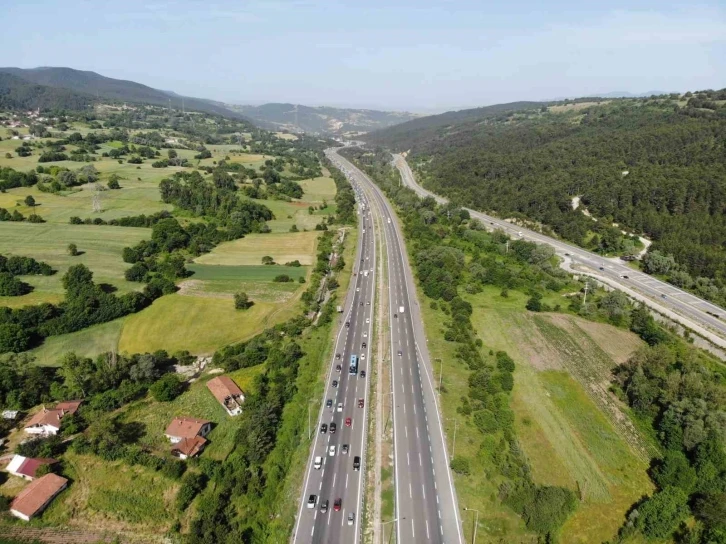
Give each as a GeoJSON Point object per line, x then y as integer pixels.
{"type": "Point", "coordinates": [550, 508]}
{"type": "Point", "coordinates": [72, 250]}
{"type": "Point", "coordinates": [461, 465]}
{"type": "Point", "coordinates": [282, 278]}
{"type": "Point", "coordinates": [242, 301]}
{"type": "Point", "coordinates": [192, 484]}
{"type": "Point", "coordinates": [661, 513]}
{"type": "Point", "coordinates": [167, 388]}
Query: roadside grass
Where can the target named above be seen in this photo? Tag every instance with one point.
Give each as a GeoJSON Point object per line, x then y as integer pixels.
{"type": "Point", "coordinates": [196, 402]}
{"type": "Point", "coordinates": [88, 342]}
{"type": "Point", "coordinates": [101, 247]}
{"type": "Point", "coordinates": [198, 324]}
{"type": "Point", "coordinates": [318, 189]}
{"type": "Point", "coordinates": [282, 247]}
{"type": "Point", "coordinates": [112, 495]}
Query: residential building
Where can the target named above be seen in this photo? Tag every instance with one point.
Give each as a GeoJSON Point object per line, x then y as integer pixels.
{"type": "Point", "coordinates": [187, 427]}
{"type": "Point", "coordinates": [32, 500]}
{"type": "Point", "coordinates": [228, 394]}
{"type": "Point", "coordinates": [48, 422]}
{"type": "Point", "coordinates": [188, 447]}
{"type": "Point", "coordinates": [26, 467]}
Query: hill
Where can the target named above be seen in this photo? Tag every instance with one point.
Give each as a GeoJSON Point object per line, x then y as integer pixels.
{"type": "Point", "coordinates": [656, 166]}
{"type": "Point", "coordinates": [16, 93]}
{"type": "Point", "coordinates": [96, 85]}
{"type": "Point", "coordinates": [320, 120]}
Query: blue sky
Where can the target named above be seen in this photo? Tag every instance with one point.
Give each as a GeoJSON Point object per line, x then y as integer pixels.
{"type": "Point", "coordinates": [414, 55]}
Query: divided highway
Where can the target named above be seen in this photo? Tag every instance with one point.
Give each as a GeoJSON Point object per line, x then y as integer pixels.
{"type": "Point", "coordinates": [702, 316]}
{"type": "Point", "coordinates": [426, 508]}
{"type": "Point", "coordinates": [332, 495]}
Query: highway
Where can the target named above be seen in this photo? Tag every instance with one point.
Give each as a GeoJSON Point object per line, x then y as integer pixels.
{"type": "Point", "coordinates": [693, 311]}
{"type": "Point", "coordinates": [426, 508]}
{"type": "Point", "coordinates": [336, 477]}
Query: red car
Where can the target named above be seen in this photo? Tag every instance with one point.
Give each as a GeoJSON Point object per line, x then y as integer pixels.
{"type": "Point", "coordinates": [348, 422]}
{"type": "Point", "coordinates": [337, 504]}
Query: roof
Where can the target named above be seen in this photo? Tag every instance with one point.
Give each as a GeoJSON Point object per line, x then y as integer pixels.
{"type": "Point", "coordinates": [69, 406]}
{"type": "Point", "coordinates": [46, 417]}
{"type": "Point", "coordinates": [190, 446]}
{"type": "Point", "coordinates": [27, 466]}
{"type": "Point", "coordinates": [223, 387]}
{"type": "Point", "coordinates": [185, 427]}
{"type": "Point", "coordinates": [33, 498]}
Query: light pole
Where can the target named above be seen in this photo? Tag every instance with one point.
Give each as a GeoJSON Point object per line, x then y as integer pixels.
{"type": "Point", "coordinates": [441, 372]}
{"type": "Point", "coordinates": [390, 521]}
{"type": "Point", "coordinates": [456, 424]}
{"type": "Point", "coordinates": [476, 521]}
{"type": "Point", "coordinates": [309, 403]}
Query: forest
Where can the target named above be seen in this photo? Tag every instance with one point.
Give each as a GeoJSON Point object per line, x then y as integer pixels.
{"type": "Point", "coordinates": [654, 166]}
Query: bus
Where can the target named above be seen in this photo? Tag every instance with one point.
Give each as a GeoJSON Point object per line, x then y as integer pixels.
{"type": "Point", "coordinates": [353, 364]}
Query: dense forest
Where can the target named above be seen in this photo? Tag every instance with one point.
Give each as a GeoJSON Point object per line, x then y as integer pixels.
{"type": "Point", "coordinates": [673, 389]}
{"type": "Point", "coordinates": [655, 166]}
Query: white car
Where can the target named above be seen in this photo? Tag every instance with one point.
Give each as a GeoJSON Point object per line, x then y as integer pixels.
{"type": "Point", "coordinates": [340, 407]}
{"type": "Point", "coordinates": [318, 462]}
{"type": "Point", "coordinates": [367, 320]}
{"type": "Point", "coordinates": [362, 356]}
{"type": "Point", "coordinates": [365, 334]}
{"type": "Point", "coordinates": [331, 451]}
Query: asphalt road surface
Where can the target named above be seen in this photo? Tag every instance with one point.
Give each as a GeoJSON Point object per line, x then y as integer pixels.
{"type": "Point", "coordinates": [694, 309]}
{"type": "Point", "coordinates": [426, 507]}
{"type": "Point", "coordinates": [336, 477]}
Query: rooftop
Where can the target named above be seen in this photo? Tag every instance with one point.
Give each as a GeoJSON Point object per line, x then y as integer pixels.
{"type": "Point", "coordinates": [185, 427]}
{"type": "Point", "coordinates": [33, 498]}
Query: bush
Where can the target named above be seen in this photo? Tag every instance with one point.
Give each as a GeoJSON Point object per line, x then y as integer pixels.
{"type": "Point", "coordinates": [167, 388]}
{"type": "Point", "coordinates": [550, 509]}
{"type": "Point", "coordinates": [661, 514]}
{"type": "Point", "coordinates": [242, 301]}
{"type": "Point", "coordinates": [534, 304]}
{"type": "Point", "coordinates": [72, 250]}
{"type": "Point", "coordinates": [192, 484]}
{"type": "Point", "coordinates": [461, 465]}
{"type": "Point", "coordinates": [282, 278]}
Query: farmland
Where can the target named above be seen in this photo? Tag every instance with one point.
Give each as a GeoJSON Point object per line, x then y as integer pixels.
{"type": "Point", "coordinates": [573, 433]}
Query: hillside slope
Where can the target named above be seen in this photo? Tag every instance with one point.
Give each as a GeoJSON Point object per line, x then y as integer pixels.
{"type": "Point", "coordinates": [96, 85]}
{"type": "Point", "coordinates": [655, 166]}
{"type": "Point", "coordinates": [320, 120]}
{"type": "Point", "coordinates": [16, 93]}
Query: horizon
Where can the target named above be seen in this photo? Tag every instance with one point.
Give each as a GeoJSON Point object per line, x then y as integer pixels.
{"type": "Point", "coordinates": [404, 56]}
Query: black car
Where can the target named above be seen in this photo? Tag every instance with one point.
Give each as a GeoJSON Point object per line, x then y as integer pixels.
{"type": "Point", "coordinates": [356, 463]}
{"type": "Point", "coordinates": [329, 403]}
{"type": "Point", "coordinates": [362, 374]}
{"type": "Point", "coordinates": [344, 449]}
{"type": "Point", "coordinates": [335, 383]}
{"type": "Point", "coordinates": [363, 345]}
{"type": "Point", "coordinates": [337, 355]}
{"type": "Point", "coordinates": [395, 315]}
{"type": "Point", "coordinates": [324, 428]}
{"type": "Point", "coordinates": [347, 323]}
{"type": "Point", "coordinates": [333, 426]}
{"type": "Point", "coordinates": [338, 368]}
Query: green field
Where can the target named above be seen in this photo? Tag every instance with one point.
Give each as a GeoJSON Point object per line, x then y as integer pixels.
{"type": "Point", "coordinates": [85, 343]}
{"type": "Point", "coordinates": [282, 247]}
{"type": "Point", "coordinates": [573, 432]}
{"type": "Point", "coordinates": [101, 247]}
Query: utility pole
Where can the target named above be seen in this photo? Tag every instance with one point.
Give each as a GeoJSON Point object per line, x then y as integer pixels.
{"type": "Point", "coordinates": [584, 299]}
{"type": "Point", "coordinates": [309, 403]}
{"type": "Point", "coordinates": [385, 523]}
{"type": "Point", "coordinates": [507, 250]}
{"type": "Point", "coordinates": [441, 372]}
{"type": "Point", "coordinates": [456, 424]}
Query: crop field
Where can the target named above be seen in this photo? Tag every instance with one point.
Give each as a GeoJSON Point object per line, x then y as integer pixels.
{"type": "Point", "coordinates": [101, 247]}
{"type": "Point", "coordinates": [88, 342]}
{"type": "Point", "coordinates": [318, 189]}
{"type": "Point", "coordinates": [282, 247]}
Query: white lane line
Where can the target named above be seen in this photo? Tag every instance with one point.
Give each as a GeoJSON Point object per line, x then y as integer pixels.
{"type": "Point", "coordinates": [410, 492]}
{"type": "Point", "coordinates": [413, 530]}
{"type": "Point", "coordinates": [334, 477]}
{"type": "Point", "coordinates": [423, 488]}
{"type": "Point", "coordinates": [408, 459]}
{"type": "Point", "coordinates": [428, 536]}
{"type": "Point", "coordinates": [420, 462]}
{"type": "Point", "coordinates": [346, 481]}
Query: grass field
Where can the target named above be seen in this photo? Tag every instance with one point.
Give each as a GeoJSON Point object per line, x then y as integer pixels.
{"type": "Point", "coordinates": [85, 343]}
{"type": "Point", "coordinates": [571, 430]}
{"type": "Point", "coordinates": [282, 247]}
{"type": "Point", "coordinates": [101, 247]}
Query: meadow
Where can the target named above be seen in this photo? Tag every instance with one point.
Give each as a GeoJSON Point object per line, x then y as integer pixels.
{"type": "Point", "coordinates": [572, 431]}
{"type": "Point", "coordinates": [282, 247]}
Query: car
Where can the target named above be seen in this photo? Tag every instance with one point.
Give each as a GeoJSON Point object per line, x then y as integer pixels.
{"type": "Point", "coordinates": [344, 449]}
{"type": "Point", "coordinates": [331, 450]}
{"type": "Point", "coordinates": [335, 383]}
{"type": "Point", "coordinates": [324, 428]}
{"type": "Point", "coordinates": [312, 500]}
{"type": "Point", "coordinates": [318, 462]}
{"type": "Point", "coordinates": [663, 296]}
{"type": "Point", "coordinates": [567, 254]}
{"type": "Point", "coordinates": [368, 303]}
{"type": "Point", "coordinates": [365, 334]}
{"type": "Point", "coordinates": [361, 303]}
{"type": "Point", "coordinates": [362, 374]}
{"type": "Point", "coordinates": [351, 518]}
{"type": "Point", "coordinates": [337, 504]}
{"type": "Point", "coordinates": [400, 353]}
{"type": "Point", "coordinates": [368, 320]}
{"type": "Point", "coordinates": [340, 407]}
{"type": "Point", "coordinates": [624, 276]}
{"type": "Point", "coordinates": [602, 268]}
{"type": "Point", "coordinates": [324, 506]}
{"type": "Point", "coordinates": [361, 403]}
{"type": "Point", "coordinates": [362, 356]}
{"type": "Point", "coordinates": [356, 463]}
{"type": "Point", "coordinates": [338, 368]}
{"type": "Point", "coordinates": [357, 289]}
{"type": "Point", "coordinates": [337, 355]}
{"type": "Point", "coordinates": [348, 422]}
{"type": "Point", "coordinates": [347, 323]}
{"type": "Point", "coordinates": [329, 403]}
{"type": "Point", "coordinates": [395, 315]}
{"type": "Point", "coordinates": [363, 345]}
{"type": "Point", "coordinates": [333, 427]}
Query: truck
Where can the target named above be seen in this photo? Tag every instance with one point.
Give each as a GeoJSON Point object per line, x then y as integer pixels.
{"type": "Point", "coordinates": [400, 309]}
{"type": "Point", "coordinates": [353, 365]}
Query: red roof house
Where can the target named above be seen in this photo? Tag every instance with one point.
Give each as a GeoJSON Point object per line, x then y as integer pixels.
{"type": "Point", "coordinates": [48, 422]}
{"type": "Point", "coordinates": [32, 500]}
{"type": "Point", "coordinates": [189, 447]}
{"type": "Point", "coordinates": [228, 394]}
{"type": "Point", "coordinates": [187, 427]}
{"type": "Point", "coordinates": [26, 467]}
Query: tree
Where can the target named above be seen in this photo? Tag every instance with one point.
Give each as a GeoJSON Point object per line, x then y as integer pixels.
{"type": "Point", "coordinates": [616, 305]}
{"type": "Point", "coordinates": [461, 465]}
{"type": "Point", "coordinates": [13, 338]}
{"type": "Point", "coordinates": [661, 513]}
{"type": "Point", "coordinates": [113, 181]}
{"type": "Point", "coordinates": [172, 154]}
{"type": "Point", "coordinates": [72, 250]}
{"type": "Point", "coordinates": [242, 301]}
{"type": "Point", "coordinates": [268, 260]}
{"type": "Point", "coordinates": [675, 470]}
{"type": "Point", "coordinates": [167, 388]}
{"type": "Point", "coordinates": [29, 201]}
{"type": "Point", "coordinates": [534, 304]}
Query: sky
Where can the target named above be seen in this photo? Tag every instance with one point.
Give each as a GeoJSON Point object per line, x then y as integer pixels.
{"type": "Point", "coordinates": [421, 56]}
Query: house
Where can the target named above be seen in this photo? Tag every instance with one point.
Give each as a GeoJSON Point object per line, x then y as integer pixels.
{"type": "Point", "coordinates": [189, 447]}
{"type": "Point", "coordinates": [32, 500]}
{"type": "Point", "coordinates": [48, 422]}
{"type": "Point", "coordinates": [26, 467]}
{"type": "Point", "coordinates": [228, 394]}
{"type": "Point", "coordinates": [187, 427]}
